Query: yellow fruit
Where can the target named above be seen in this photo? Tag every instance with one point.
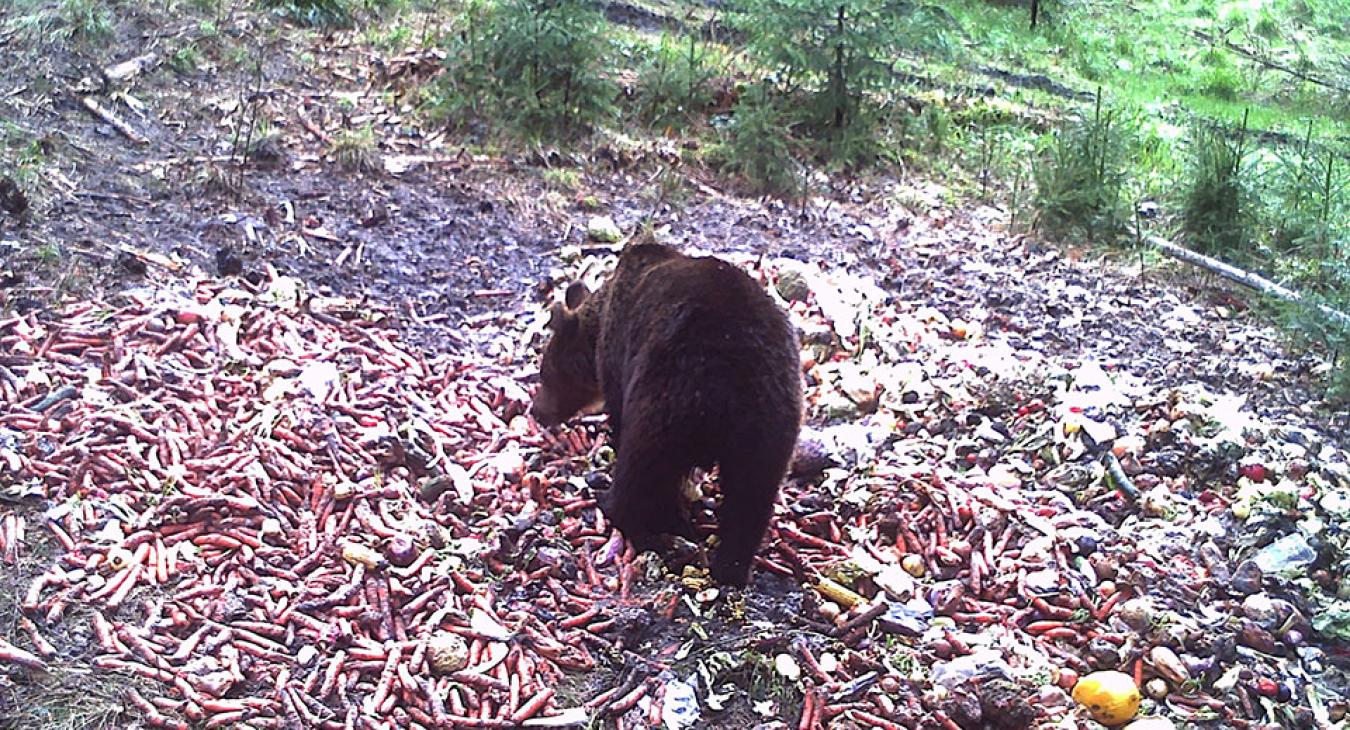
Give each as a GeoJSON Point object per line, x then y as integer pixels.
{"type": "Point", "coordinates": [1111, 697]}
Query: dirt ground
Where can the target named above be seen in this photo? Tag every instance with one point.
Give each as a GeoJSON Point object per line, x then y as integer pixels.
{"type": "Point", "coordinates": [444, 240]}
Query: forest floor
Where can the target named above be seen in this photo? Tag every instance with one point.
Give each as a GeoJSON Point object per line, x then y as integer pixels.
{"type": "Point", "coordinates": [961, 374]}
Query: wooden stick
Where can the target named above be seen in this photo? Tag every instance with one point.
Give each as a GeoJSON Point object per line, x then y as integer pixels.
{"type": "Point", "coordinates": [1246, 278]}
{"type": "Point", "coordinates": [106, 115]}
{"type": "Point", "coordinates": [311, 127]}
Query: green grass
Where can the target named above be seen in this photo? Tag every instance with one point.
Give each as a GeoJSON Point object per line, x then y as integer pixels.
{"type": "Point", "coordinates": [1149, 54]}
{"type": "Point", "coordinates": [56, 23]}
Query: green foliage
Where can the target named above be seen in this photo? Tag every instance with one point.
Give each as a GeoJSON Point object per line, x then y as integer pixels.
{"type": "Point", "coordinates": [1218, 205]}
{"type": "Point", "coordinates": [42, 24]}
{"type": "Point", "coordinates": [756, 147]}
{"type": "Point", "coordinates": [534, 64]}
{"type": "Point", "coordinates": [939, 126]}
{"type": "Point", "coordinates": [1080, 182]}
{"type": "Point", "coordinates": [832, 59]}
{"type": "Point", "coordinates": [1219, 78]}
{"type": "Point", "coordinates": [328, 13]}
{"type": "Point", "coordinates": [1307, 206]}
{"type": "Point", "coordinates": [22, 159]}
{"type": "Point", "coordinates": [834, 50]}
{"type": "Point", "coordinates": [90, 20]}
{"type": "Point", "coordinates": [675, 83]}
{"type": "Point", "coordinates": [1310, 324]}
{"type": "Point", "coordinates": [339, 13]}
{"type": "Point", "coordinates": [186, 59]}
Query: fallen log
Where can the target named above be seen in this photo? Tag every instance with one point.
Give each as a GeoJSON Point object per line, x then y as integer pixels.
{"type": "Point", "coordinates": [113, 120]}
{"type": "Point", "coordinates": [1246, 278]}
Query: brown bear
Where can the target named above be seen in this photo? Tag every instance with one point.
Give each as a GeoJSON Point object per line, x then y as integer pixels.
{"type": "Point", "coordinates": [696, 365]}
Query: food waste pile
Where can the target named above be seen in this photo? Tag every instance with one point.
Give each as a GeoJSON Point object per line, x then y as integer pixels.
{"type": "Point", "coordinates": [272, 513]}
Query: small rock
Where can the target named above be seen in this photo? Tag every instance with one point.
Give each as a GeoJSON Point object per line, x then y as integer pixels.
{"type": "Point", "coordinates": [602, 228]}
{"type": "Point", "coordinates": [946, 597]}
{"type": "Point", "coordinates": [1102, 654]}
{"type": "Point", "coordinates": [1137, 613]}
{"type": "Point", "coordinates": [1052, 696]}
{"type": "Point", "coordinates": [448, 652]}
{"type": "Point", "coordinates": [896, 581]}
{"type": "Point", "coordinates": [306, 656]}
{"type": "Point", "coordinates": [1253, 636]}
{"type": "Point", "coordinates": [816, 333]}
{"type": "Point", "coordinates": [1215, 562]}
{"type": "Point", "coordinates": [792, 286]}
{"type": "Point", "coordinates": [860, 388]}
{"type": "Point", "coordinates": [1043, 581]}
{"type": "Point", "coordinates": [812, 455]}
{"type": "Point", "coordinates": [787, 667]}
{"type": "Point", "coordinates": [1247, 578]}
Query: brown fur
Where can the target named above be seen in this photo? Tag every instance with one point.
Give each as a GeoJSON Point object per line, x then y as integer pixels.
{"type": "Point", "coordinates": [696, 365]}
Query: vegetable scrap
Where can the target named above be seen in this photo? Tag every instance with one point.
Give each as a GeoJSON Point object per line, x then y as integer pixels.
{"type": "Point", "coordinates": [282, 516]}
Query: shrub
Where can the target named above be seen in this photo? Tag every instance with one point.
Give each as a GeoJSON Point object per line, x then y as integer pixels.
{"type": "Point", "coordinates": [1218, 204]}
{"type": "Point", "coordinates": [833, 50]}
{"type": "Point", "coordinates": [676, 81]}
{"type": "Point", "coordinates": [534, 64]}
{"type": "Point", "coordinates": [314, 12]}
{"type": "Point", "coordinates": [1309, 324]}
{"type": "Point", "coordinates": [1080, 181]}
{"type": "Point", "coordinates": [1308, 206]}
{"type": "Point", "coordinates": [756, 146]}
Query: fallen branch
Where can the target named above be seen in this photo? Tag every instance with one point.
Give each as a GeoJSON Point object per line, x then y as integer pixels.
{"type": "Point", "coordinates": [311, 127]}
{"type": "Point", "coordinates": [154, 259]}
{"type": "Point", "coordinates": [192, 160]}
{"type": "Point", "coordinates": [1255, 57]}
{"type": "Point", "coordinates": [1246, 278]}
{"type": "Point", "coordinates": [116, 122]}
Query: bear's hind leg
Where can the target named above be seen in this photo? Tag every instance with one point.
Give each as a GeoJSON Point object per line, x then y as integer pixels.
{"type": "Point", "coordinates": [749, 480]}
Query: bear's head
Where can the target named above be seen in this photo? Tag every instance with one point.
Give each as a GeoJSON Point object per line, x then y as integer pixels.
{"type": "Point", "coordinates": [568, 382]}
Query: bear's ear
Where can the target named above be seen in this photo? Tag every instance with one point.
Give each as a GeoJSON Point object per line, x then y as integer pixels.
{"type": "Point", "coordinates": [558, 316]}
{"type": "Point", "coordinates": [576, 295]}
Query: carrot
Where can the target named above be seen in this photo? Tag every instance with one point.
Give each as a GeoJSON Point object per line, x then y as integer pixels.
{"type": "Point", "coordinates": [808, 710]}
{"type": "Point", "coordinates": [580, 619]}
{"type": "Point", "coordinates": [626, 703]}
{"type": "Point", "coordinates": [871, 719]}
{"type": "Point", "coordinates": [533, 706]}
{"type": "Point", "coordinates": [14, 655]}
{"type": "Point", "coordinates": [123, 589]}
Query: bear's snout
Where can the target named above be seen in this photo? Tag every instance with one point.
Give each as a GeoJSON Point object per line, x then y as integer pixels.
{"type": "Point", "coordinates": [543, 413]}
